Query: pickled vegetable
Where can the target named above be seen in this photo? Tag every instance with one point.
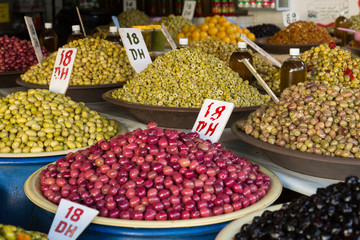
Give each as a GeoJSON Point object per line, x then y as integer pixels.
{"type": "Point", "coordinates": [98, 61]}
{"type": "Point", "coordinates": [42, 121]}
{"type": "Point", "coordinates": [185, 78]}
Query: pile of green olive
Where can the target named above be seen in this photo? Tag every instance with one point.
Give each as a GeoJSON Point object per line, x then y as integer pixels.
{"type": "Point", "coordinates": [42, 121]}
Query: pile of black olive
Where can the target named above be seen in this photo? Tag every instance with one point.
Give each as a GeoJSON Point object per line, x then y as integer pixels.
{"type": "Point", "coordinates": [264, 30]}
{"type": "Point", "coordinates": [332, 213]}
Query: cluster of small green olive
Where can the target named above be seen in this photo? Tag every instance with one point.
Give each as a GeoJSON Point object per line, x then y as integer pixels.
{"type": "Point", "coordinates": [97, 62]}
{"type": "Point", "coordinates": [310, 117]}
{"type": "Point", "coordinates": [354, 22]}
{"type": "Point", "coordinates": [133, 17]}
{"type": "Point", "coordinates": [215, 47]}
{"type": "Point", "coordinates": [42, 121]}
{"type": "Point", "coordinates": [332, 65]}
{"type": "Point", "coordinates": [174, 24]}
{"type": "Point", "coordinates": [185, 78]}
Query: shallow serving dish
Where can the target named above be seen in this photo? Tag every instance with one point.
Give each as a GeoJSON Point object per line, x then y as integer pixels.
{"type": "Point", "coordinates": [284, 48]}
{"type": "Point", "coordinates": [109, 228]}
{"type": "Point", "coordinates": [172, 117]}
{"type": "Point", "coordinates": [302, 162]}
{"type": "Point", "coordinates": [234, 227]}
{"type": "Point", "coordinates": [79, 93]}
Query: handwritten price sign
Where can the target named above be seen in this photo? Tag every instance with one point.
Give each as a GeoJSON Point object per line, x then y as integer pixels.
{"type": "Point", "coordinates": [212, 119]}
{"type": "Point", "coordinates": [290, 17]}
{"type": "Point", "coordinates": [70, 220]}
{"type": "Point", "coordinates": [129, 4]}
{"type": "Point", "coordinates": [34, 39]}
{"type": "Point", "coordinates": [135, 48]}
{"type": "Point", "coordinates": [64, 64]}
{"type": "Point", "coordinates": [189, 9]}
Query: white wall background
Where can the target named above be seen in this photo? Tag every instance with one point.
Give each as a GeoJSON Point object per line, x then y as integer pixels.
{"type": "Point", "coordinates": [326, 11]}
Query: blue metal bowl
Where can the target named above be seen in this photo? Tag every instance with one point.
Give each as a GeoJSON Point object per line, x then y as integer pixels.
{"type": "Point", "coordinates": [15, 207]}
{"type": "Point", "coordinates": [42, 219]}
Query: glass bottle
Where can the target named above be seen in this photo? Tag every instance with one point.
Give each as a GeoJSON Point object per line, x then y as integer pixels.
{"type": "Point", "coordinates": [114, 36]}
{"type": "Point", "coordinates": [183, 42]}
{"type": "Point", "coordinates": [76, 34]}
{"type": "Point", "coordinates": [48, 38]}
{"type": "Point", "coordinates": [235, 62]}
{"type": "Point", "coordinates": [341, 21]}
{"type": "Point", "coordinates": [293, 70]}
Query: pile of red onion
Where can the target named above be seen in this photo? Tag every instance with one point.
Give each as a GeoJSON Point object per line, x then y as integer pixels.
{"type": "Point", "coordinates": [17, 54]}
{"type": "Point", "coordinates": [155, 174]}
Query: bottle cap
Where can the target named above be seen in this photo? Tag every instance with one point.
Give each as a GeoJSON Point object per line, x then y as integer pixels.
{"type": "Point", "coordinates": [294, 51]}
{"type": "Point", "coordinates": [241, 44]}
{"type": "Point", "coordinates": [183, 41]}
{"type": "Point", "coordinates": [113, 29]}
{"type": "Point", "coordinates": [75, 27]}
{"type": "Point", "coordinates": [48, 25]}
{"type": "Point", "coordinates": [342, 13]}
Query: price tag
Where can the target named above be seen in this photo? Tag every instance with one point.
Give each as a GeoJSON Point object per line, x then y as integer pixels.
{"type": "Point", "coordinates": [290, 17]}
{"type": "Point", "coordinates": [34, 39]}
{"type": "Point", "coordinates": [212, 119]}
{"type": "Point", "coordinates": [64, 64]}
{"type": "Point", "coordinates": [129, 4]}
{"type": "Point", "coordinates": [189, 9]}
{"type": "Point", "coordinates": [168, 36]}
{"type": "Point", "coordinates": [116, 21]}
{"type": "Point", "coordinates": [135, 48]}
{"type": "Point", "coordinates": [70, 220]}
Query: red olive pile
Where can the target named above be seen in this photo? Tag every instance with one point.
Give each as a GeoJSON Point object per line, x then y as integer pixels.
{"type": "Point", "coordinates": [17, 54]}
{"type": "Point", "coordinates": [156, 174]}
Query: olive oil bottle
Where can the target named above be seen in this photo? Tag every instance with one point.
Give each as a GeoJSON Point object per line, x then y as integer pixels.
{"type": "Point", "coordinates": [341, 21]}
{"type": "Point", "coordinates": [114, 36]}
{"type": "Point", "coordinates": [76, 34]}
{"type": "Point", "coordinates": [235, 62]}
{"type": "Point", "coordinates": [48, 38]}
{"type": "Point", "coordinates": [293, 70]}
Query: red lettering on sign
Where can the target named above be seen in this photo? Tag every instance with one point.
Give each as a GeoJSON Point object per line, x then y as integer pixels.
{"type": "Point", "coordinates": [201, 126]}
{"type": "Point", "coordinates": [208, 109]}
{"type": "Point", "coordinates": [71, 231]}
{"type": "Point", "coordinates": [61, 227]}
{"type": "Point", "coordinates": [211, 129]}
{"type": "Point", "coordinates": [64, 71]}
{"type": "Point", "coordinates": [76, 215]}
{"type": "Point", "coordinates": [218, 112]}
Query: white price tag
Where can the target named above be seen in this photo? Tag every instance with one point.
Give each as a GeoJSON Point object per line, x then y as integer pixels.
{"type": "Point", "coordinates": [189, 9]}
{"type": "Point", "coordinates": [135, 48]}
{"type": "Point", "coordinates": [168, 36]}
{"type": "Point", "coordinates": [70, 220]}
{"type": "Point", "coordinates": [290, 17]}
{"type": "Point", "coordinates": [212, 119]}
{"type": "Point", "coordinates": [34, 39]}
{"type": "Point", "coordinates": [63, 67]}
{"type": "Point", "coordinates": [129, 4]}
